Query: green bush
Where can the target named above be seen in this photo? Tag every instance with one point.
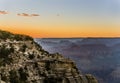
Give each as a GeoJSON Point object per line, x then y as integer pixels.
{"type": "Point", "coordinates": [31, 56]}
{"type": "Point", "coordinates": [23, 48]}
{"type": "Point", "coordinates": [23, 74]}
{"type": "Point", "coordinates": [14, 77]}
{"type": "Point", "coordinates": [4, 55]}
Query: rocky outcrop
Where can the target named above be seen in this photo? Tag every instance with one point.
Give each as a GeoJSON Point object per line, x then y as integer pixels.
{"type": "Point", "coordinates": [23, 61]}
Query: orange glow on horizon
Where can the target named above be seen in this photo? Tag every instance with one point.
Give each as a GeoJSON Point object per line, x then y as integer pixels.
{"type": "Point", "coordinates": [57, 20]}
{"type": "Point", "coordinates": [63, 33]}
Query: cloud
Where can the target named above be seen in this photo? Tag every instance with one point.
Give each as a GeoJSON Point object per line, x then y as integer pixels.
{"type": "Point", "coordinates": [35, 15]}
{"type": "Point", "coordinates": [28, 15]}
{"type": "Point", "coordinates": [3, 12]}
{"type": "Point", "coordinates": [23, 14]}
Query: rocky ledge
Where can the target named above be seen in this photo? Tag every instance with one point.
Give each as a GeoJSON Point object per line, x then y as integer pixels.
{"type": "Point", "coordinates": [24, 61]}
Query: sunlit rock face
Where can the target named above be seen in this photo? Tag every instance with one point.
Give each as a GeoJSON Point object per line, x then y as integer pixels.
{"type": "Point", "coordinates": [24, 61]}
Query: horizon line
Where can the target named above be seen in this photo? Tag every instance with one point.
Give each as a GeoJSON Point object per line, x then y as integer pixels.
{"type": "Point", "coordinates": [73, 37]}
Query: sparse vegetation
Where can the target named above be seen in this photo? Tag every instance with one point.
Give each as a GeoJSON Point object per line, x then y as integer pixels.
{"type": "Point", "coordinates": [22, 37]}
{"type": "Point", "coordinates": [23, 48]}
{"type": "Point", "coordinates": [4, 55]}
{"type": "Point", "coordinates": [7, 35]}
{"type": "Point", "coordinates": [14, 77]}
{"type": "Point", "coordinates": [23, 75]}
{"type": "Point", "coordinates": [31, 56]}
{"type": "Point", "coordinates": [24, 61]}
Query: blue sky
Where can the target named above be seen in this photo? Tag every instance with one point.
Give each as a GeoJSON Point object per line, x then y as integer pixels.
{"type": "Point", "coordinates": [67, 6]}
{"type": "Point", "coordinates": [71, 13]}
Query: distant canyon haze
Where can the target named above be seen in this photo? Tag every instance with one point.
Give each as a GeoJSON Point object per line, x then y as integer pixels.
{"type": "Point", "coordinates": [98, 56]}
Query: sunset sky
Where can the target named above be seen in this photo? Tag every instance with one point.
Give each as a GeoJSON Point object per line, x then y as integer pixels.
{"type": "Point", "coordinates": [61, 18]}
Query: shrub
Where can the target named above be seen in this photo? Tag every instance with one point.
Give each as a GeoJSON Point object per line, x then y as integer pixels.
{"type": "Point", "coordinates": [31, 56]}
{"type": "Point", "coordinates": [14, 77]}
{"type": "Point", "coordinates": [23, 75]}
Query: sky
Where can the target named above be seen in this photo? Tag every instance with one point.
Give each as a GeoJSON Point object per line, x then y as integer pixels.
{"type": "Point", "coordinates": [61, 18]}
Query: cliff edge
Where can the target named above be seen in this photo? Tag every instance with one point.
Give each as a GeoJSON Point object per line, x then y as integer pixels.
{"type": "Point", "coordinates": [24, 61]}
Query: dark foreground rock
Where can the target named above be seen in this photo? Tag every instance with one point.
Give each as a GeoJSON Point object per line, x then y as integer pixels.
{"type": "Point", "coordinates": [23, 61]}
